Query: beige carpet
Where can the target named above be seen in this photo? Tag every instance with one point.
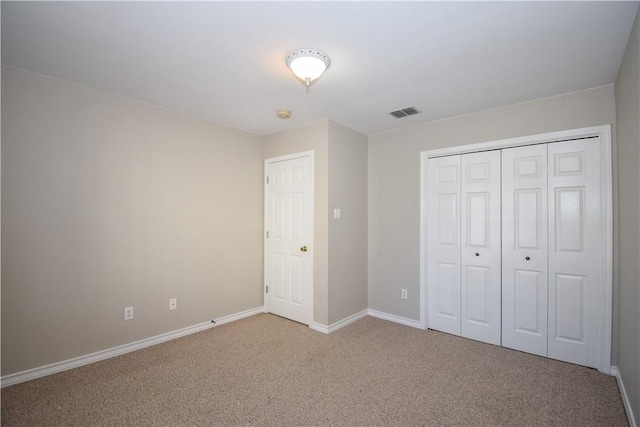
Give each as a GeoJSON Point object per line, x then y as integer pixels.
{"type": "Point", "coordinates": [265, 370]}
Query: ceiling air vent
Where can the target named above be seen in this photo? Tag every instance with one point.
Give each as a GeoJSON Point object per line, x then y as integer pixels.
{"type": "Point", "coordinates": [409, 111]}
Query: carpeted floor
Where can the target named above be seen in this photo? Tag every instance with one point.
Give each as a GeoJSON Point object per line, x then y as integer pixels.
{"type": "Point", "coordinates": [265, 370]}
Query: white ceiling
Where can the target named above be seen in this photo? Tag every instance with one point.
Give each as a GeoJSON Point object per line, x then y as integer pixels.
{"type": "Point", "coordinates": [224, 61]}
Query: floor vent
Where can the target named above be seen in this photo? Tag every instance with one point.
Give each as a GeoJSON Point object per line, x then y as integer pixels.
{"type": "Point", "coordinates": [409, 111]}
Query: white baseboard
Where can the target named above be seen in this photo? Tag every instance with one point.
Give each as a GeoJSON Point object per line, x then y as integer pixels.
{"type": "Point", "coordinates": [395, 319]}
{"type": "Point", "coordinates": [625, 399]}
{"type": "Point", "coordinates": [76, 362]}
{"type": "Point", "coordinates": [339, 324]}
{"type": "Point", "coordinates": [237, 316]}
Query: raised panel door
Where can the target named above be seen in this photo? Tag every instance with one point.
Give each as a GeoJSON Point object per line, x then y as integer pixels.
{"type": "Point", "coordinates": [524, 249]}
{"type": "Point", "coordinates": [575, 245]}
{"type": "Point", "coordinates": [288, 268]}
{"type": "Point", "coordinates": [480, 246]}
{"type": "Point", "coordinates": [443, 250]}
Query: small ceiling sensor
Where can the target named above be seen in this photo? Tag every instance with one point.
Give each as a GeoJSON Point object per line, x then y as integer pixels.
{"type": "Point", "coordinates": [283, 114]}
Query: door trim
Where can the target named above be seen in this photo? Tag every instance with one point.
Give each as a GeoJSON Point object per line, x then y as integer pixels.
{"type": "Point", "coordinates": [606, 291]}
{"type": "Point", "coordinates": [267, 162]}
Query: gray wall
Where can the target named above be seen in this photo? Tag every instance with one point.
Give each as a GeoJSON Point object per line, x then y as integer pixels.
{"type": "Point", "coordinates": [108, 203]}
{"type": "Point", "coordinates": [348, 235]}
{"type": "Point", "coordinates": [628, 246]}
{"type": "Point", "coordinates": [394, 181]}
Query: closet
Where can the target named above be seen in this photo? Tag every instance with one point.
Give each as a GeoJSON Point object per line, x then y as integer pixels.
{"type": "Point", "coordinates": [514, 247]}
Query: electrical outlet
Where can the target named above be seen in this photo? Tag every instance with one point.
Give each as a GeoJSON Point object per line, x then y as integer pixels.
{"type": "Point", "coordinates": [403, 294]}
{"type": "Point", "coordinates": [173, 303]}
{"type": "Point", "coordinates": [128, 313]}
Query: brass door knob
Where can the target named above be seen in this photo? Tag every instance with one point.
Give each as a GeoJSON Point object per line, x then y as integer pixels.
{"type": "Point", "coordinates": [303, 249]}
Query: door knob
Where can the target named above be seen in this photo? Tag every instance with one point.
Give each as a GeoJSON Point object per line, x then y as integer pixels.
{"type": "Point", "coordinates": [303, 249]}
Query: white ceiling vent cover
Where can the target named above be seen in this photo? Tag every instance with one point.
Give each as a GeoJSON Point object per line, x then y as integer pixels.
{"type": "Point", "coordinates": [409, 111]}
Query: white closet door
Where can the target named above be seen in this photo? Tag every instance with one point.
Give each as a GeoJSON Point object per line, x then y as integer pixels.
{"type": "Point", "coordinates": [443, 257]}
{"type": "Point", "coordinates": [575, 250]}
{"type": "Point", "coordinates": [481, 247]}
{"type": "Point", "coordinates": [524, 249]}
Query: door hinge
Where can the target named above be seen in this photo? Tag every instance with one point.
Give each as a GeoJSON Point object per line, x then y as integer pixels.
{"type": "Point", "coordinates": [267, 180]}
{"type": "Point", "coordinates": [266, 289]}
{"type": "Point", "coordinates": [267, 234]}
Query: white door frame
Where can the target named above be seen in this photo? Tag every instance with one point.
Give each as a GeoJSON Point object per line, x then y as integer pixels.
{"type": "Point", "coordinates": [606, 291]}
{"type": "Point", "coordinates": [267, 162]}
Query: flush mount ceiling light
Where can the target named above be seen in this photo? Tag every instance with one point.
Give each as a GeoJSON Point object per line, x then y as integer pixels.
{"type": "Point", "coordinates": [308, 64]}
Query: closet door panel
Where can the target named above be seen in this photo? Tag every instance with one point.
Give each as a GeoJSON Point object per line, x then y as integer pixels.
{"type": "Point", "coordinates": [575, 251]}
{"type": "Point", "coordinates": [481, 251]}
{"type": "Point", "coordinates": [524, 249]}
{"type": "Point", "coordinates": [529, 294]}
{"type": "Point", "coordinates": [443, 247]}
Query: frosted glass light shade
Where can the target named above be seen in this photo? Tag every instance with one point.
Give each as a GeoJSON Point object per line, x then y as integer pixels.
{"type": "Point", "coordinates": [308, 64]}
{"type": "Point", "coordinates": [307, 67]}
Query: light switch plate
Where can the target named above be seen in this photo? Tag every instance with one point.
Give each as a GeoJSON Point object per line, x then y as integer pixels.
{"type": "Point", "coordinates": [337, 213]}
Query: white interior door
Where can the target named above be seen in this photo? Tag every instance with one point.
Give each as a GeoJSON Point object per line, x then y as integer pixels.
{"type": "Point", "coordinates": [481, 247]}
{"type": "Point", "coordinates": [524, 249]}
{"type": "Point", "coordinates": [575, 245]}
{"type": "Point", "coordinates": [288, 231]}
{"type": "Point", "coordinates": [443, 253]}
